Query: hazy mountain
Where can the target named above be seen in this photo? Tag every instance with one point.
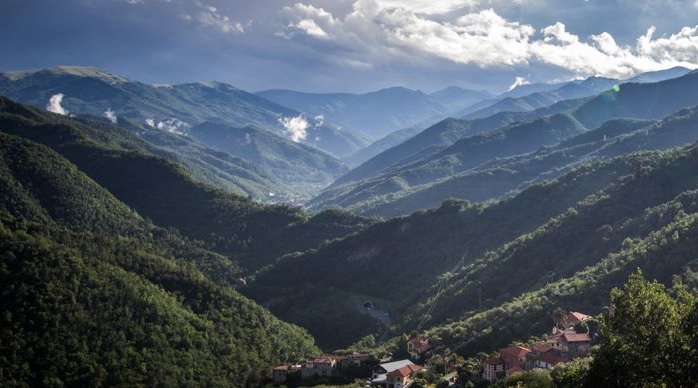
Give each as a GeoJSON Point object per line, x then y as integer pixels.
{"type": "Point", "coordinates": [381, 145]}
{"type": "Point", "coordinates": [170, 107]}
{"type": "Point", "coordinates": [305, 168]}
{"type": "Point", "coordinates": [376, 114]}
{"type": "Point", "coordinates": [630, 100]}
{"type": "Point", "coordinates": [660, 75]}
{"type": "Point", "coordinates": [504, 177]}
{"type": "Point", "coordinates": [454, 98]}
{"type": "Point", "coordinates": [530, 102]}
{"type": "Point", "coordinates": [206, 164]}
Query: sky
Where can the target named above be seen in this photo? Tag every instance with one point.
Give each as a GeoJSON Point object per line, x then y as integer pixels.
{"type": "Point", "coordinates": [352, 45]}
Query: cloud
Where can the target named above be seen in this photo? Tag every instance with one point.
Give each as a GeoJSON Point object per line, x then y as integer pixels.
{"type": "Point", "coordinates": [54, 104]}
{"type": "Point", "coordinates": [386, 32]}
{"type": "Point", "coordinates": [518, 81]}
{"type": "Point", "coordinates": [319, 121]}
{"type": "Point", "coordinates": [210, 16]}
{"type": "Point", "coordinates": [110, 115]}
{"type": "Point", "coordinates": [296, 127]}
{"type": "Point", "coordinates": [173, 125]}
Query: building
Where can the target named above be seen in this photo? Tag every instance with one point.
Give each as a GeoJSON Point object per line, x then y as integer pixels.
{"type": "Point", "coordinates": [494, 369]}
{"type": "Point", "coordinates": [353, 359]}
{"type": "Point", "coordinates": [323, 366]}
{"type": "Point", "coordinates": [576, 344]}
{"type": "Point", "coordinates": [418, 346]}
{"type": "Point", "coordinates": [514, 356]}
{"type": "Point", "coordinates": [396, 374]}
{"type": "Point", "coordinates": [281, 373]}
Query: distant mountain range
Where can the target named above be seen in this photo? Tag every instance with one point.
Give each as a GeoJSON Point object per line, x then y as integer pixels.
{"type": "Point", "coordinates": [379, 113]}
{"type": "Point", "coordinates": [171, 107]}
{"type": "Point", "coordinates": [398, 171]}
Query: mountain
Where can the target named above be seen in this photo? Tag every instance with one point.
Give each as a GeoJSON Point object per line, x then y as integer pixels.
{"type": "Point", "coordinates": [375, 114]}
{"type": "Point", "coordinates": [454, 98]}
{"type": "Point", "coordinates": [252, 233]}
{"type": "Point", "coordinates": [206, 165]}
{"type": "Point", "coordinates": [381, 145]}
{"type": "Point", "coordinates": [642, 101]}
{"type": "Point", "coordinates": [477, 277]}
{"type": "Point", "coordinates": [95, 295]}
{"type": "Point", "coordinates": [660, 75]}
{"type": "Point", "coordinates": [295, 164]}
{"type": "Point", "coordinates": [530, 102]}
{"type": "Point", "coordinates": [170, 107]}
{"type": "Point", "coordinates": [504, 177]}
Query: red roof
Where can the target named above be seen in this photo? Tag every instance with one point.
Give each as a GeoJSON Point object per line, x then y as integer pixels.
{"type": "Point", "coordinates": [405, 371]}
{"type": "Point", "coordinates": [551, 358]}
{"type": "Point", "coordinates": [514, 351]}
{"type": "Point", "coordinates": [514, 369]}
{"type": "Point", "coordinates": [542, 348]}
{"type": "Point", "coordinates": [574, 317]}
{"type": "Point", "coordinates": [575, 337]}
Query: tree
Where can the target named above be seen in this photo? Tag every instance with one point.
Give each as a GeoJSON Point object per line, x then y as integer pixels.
{"type": "Point", "coordinates": [646, 337]}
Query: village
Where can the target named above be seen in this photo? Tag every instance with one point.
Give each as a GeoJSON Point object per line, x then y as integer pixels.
{"type": "Point", "coordinates": [571, 338]}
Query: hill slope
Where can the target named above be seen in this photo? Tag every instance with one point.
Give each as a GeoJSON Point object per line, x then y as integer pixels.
{"type": "Point", "coordinates": [630, 101]}
{"type": "Point", "coordinates": [171, 107]}
{"type": "Point", "coordinates": [294, 164]}
{"type": "Point", "coordinates": [94, 295]}
{"type": "Point", "coordinates": [253, 233]}
{"type": "Point", "coordinates": [561, 243]}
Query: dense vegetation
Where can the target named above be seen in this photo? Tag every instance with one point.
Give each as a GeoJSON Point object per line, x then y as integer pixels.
{"type": "Point", "coordinates": [253, 233]}
{"type": "Point", "coordinates": [95, 295]}
{"type": "Point", "coordinates": [648, 339]}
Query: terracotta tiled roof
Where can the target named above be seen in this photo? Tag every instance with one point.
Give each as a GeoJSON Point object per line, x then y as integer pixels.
{"type": "Point", "coordinates": [574, 337]}
{"type": "Point", "coordinates": [542, 348]}
{"type": "Point", "coordinates": [551, 358]}
{"type": "Point", "coordinates": [514, 351]}
{"type": "Point", "coordinates": [405, 371]}
{"type": "Point", "coordinates": [514, 369]}
{"type": "Point", "coordinates": [574, 317]}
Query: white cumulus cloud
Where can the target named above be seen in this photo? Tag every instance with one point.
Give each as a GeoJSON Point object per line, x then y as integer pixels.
{"type": "Point", "coordinates": [54, 104]}
{"type": "Point", "coordinates": [110, 115]}
{"type": "Point", "coordinates": [296, 127]}
{"type": "Point", "coordinates": [384, 32]}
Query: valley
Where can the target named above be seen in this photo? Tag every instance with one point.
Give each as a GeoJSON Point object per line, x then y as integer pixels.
{"type": "Point", "coordinates": [203, 235]}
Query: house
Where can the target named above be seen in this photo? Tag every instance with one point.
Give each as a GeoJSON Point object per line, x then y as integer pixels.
{"type": "Point", "coordinates": [281, 373]}
{"type": "Point", "coordinates": [401, 378]}
{"type": "Point", "coordinates": [355, 359]}
{"type": "Point", "coordinates": [323, 366]}
{"type": "Point", "coordinates": [548, 360]}
{"type": "Point", "coordinates": [418, 346]}
{"type": "Point", "coordinates": [494, 369]}
{"type": "Point", "coordinates": [396, 374]}
{"type": "Point", "coordinates": [514, 356]}
{"type": "Point", "coordinates": [576, 344]}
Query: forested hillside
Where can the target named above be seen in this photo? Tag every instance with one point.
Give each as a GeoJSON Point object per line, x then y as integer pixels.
{"type": "Point", "coordinates": [254, 234]}
{"type": "Point", "coordinates": [95, 295]}
{"type": "Point", "coordinates": [561, 243]}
